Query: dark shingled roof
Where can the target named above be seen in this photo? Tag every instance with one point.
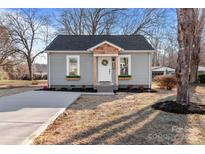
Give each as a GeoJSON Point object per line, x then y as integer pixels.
{"type": "Point", "coordinates": [84, 42]}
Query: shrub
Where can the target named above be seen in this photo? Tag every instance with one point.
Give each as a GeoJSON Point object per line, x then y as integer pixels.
{"type": "Point", "coordinates": [25, 77]}
{"type": "Point", "coordinates": [202, 78]}
{"type": "Point", "coordinates": [34, 82]}
{"type": "Point", "coordinates": [4, 76]}
{"type": "Point", "coordinates": [40, 76]}
{"type": "Point", "coordinates": [37, 76]}
{"type": "Point", "coordinates": [44, 77]}
{"type": "Point", "coordinates": [166, 82]}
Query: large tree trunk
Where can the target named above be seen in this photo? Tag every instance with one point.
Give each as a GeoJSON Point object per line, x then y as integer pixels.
{"type": "Point", "coordinates": [199, 21]}
{"type": "Point", "coordinates": [195, 59]}
{"type": "Point", "coordinates": [185, 40]}
{"type": "Point", "coordinates": [30, 71]}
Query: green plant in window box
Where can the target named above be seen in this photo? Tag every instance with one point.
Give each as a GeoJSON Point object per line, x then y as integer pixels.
{"type": "Point", "coordinates": [73, 77]}
{"type": "Point", "coordinates": [124, 77]}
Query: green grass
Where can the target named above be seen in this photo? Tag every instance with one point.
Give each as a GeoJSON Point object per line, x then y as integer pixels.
{"type": "Point", "coordinates": [20, 82]}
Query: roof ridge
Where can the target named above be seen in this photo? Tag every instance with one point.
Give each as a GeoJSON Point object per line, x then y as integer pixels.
{"type": "Point", "coordinates": [99, 35]}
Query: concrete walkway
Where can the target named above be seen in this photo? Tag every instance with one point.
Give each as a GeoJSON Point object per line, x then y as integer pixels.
{"type": "Point", "coordinates": [25, 115]}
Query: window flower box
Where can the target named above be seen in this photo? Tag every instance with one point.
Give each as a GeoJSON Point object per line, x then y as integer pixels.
{"type": "Point", "coordinates": [124, 77]}
{"type": "Point", "coordinates": [72, 77]}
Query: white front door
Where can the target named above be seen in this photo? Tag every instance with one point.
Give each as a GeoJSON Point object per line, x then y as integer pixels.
{"type": "Point", "coordinates": [104, 69]}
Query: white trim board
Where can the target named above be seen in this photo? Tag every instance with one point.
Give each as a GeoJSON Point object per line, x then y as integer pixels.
{"type": "Point", "coordinates": [67, 51]}
{"type": "Point", "coordinates": [150, 72]}
{"type": "Point", "coordinates": [138, 51]}
{"type": "Point", "coordinates": [105, 42]}
{"type": "Point", "coordinates": [105, 55]}
{"type": "Point", "coordinates": [49, 70]}
{"type": "Point", "coordinates": [90, 52]}
{"type": "Point", "coordinates": [129, 64]}
{"type": "Point", "coordinates": [67, 63]}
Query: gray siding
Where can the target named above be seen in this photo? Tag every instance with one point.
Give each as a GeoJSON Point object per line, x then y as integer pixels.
{"type": "Point", "coordinates": [139, 69]}
{"type": "Point", "coordinates": [58, 69]}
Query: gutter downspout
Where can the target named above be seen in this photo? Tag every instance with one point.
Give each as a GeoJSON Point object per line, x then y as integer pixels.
{"type": "Point", "coordinates": [149, 72]}
{"type": "Point", "coordinates": [48, 59]}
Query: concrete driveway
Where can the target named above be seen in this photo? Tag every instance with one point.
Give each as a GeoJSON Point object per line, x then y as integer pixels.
{"type": "Point", "coordinates": [24, 115]}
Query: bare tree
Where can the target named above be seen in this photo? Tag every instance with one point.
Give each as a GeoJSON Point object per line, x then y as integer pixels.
{"type": "Point", "coordinates": [199, 21]}
{"type": "Point", "coordinates": [72, 21]}
{"type": "Point", "coordinates": [157, 54]}
{"type": "Point", "coordinates": [166, 48]}
{"type": "Point", "coordinates": [156, 26]}
{"type": "Point", "coordinates": [27, 29]}
{"type": "Point", "coordinates": [100, 20]}
{"type": "Point", "coordinates": [110, 22]}
{"type": "Point", "coordinates": [7, 48]}
{"type": "Point", "coordinates": [171, 48]}
{"type": "Point", "coordinates": [142, 21]}
{"type": "Point", "coordinates": [202, 54]}
{"type": "Point", "coordinates": [87, 21]}
{"type": "Point", "coordinates": [185, 39]}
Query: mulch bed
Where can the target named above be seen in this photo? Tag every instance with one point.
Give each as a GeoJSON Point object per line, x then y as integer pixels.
{"type": "Point", "coordinates": [91, 90]}
{"type": "Point", "coordinates": [69, 90]}
{"type": "Point", "coordinates": [173, 107]}
{"type": "Point", "coordinates": [136, 90]}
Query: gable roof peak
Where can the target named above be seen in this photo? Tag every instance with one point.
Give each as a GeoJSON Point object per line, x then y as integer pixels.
{"type": "Point", "coordinates": [105, 42]}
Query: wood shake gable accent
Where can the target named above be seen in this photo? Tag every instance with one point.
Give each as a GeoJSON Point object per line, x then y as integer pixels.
{"type": "Point", "coordinates": [105, 49]}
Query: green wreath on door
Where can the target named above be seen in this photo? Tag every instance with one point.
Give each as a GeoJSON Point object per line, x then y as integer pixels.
{"type": "Point", "coordinates": [104, 62]}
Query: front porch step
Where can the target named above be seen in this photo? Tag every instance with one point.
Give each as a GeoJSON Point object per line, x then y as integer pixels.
{"type": "Point", "coordinates": [105, 88]}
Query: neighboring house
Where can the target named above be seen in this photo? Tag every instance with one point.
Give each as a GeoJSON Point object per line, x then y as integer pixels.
{"type": "Point", "coordinates": [161, 70]}
{"type": "Point", "coordinates": [201, 70]}
{"type": "Point", "coordinates": [102, 62]}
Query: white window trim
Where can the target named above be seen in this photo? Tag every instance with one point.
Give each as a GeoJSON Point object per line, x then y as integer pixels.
{"type": "Point", "coordinates": [67, 63]}
{"type": "Point", "coordinates": [129, 63]}
{"type": "Point", "coordinates": [49, 70]}
{"type": "Point", "coordinates": [105, 42]}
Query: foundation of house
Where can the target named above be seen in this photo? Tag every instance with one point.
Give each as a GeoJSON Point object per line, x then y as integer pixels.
{"type": "Point", "coordinates": [100, 87]}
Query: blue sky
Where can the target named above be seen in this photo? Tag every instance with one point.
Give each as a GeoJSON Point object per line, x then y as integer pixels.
{"type": "Point", "coordinates": [53, 12]}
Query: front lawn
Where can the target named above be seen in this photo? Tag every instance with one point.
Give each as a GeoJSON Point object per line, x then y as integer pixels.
{"type": "Point", "coordinates": [12, 91]}
{"type": "Point", "coordinates": [20, 82]}
{"type": "Point", "coordinates": [10, 87]}
{"type": "Point", "coordinates": [126, 118]}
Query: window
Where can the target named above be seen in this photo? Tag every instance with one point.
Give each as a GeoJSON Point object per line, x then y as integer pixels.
{"type": "Point", "coordinates": [125, 65]}
{"type": "Point", "coordinates": [73, 65]}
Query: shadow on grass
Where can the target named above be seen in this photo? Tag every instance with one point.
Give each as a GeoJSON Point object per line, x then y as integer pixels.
{"type": "Point", "coordinates": [92, 103]}
{"type": "Point", "coordinates": [146, 126]}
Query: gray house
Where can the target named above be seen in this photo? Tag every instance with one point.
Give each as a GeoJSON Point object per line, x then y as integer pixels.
{"type": "Point", "coordinates": [102, 62]}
